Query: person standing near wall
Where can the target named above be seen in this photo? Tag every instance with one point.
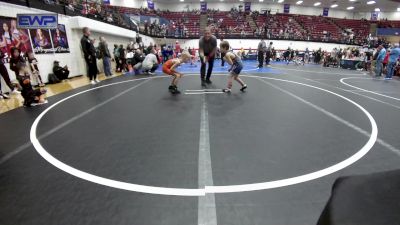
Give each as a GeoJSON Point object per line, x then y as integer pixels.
{"type": "Point", "coordinates": [393, 57]}
{"type": "Point", "coordinates": [261, 50]}
{"type": "Point", "coordinates": [106, 56]}
{"type": "Point", "coordinates": [89, 53]}
{"type": "Point", "coordinates": [268, 54]}
{"type": "Point", "coordinates": [207, 50]}
{"type": "Point", "coordinates": [116, 58]}
{"type": "Point", "coordinates": [379, 60]}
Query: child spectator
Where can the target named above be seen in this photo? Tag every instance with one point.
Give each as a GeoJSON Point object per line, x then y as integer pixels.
{"type": "Point", "coordinates": [33, 63]}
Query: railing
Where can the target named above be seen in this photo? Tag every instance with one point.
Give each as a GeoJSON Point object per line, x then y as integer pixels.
{"type": "Point", "coordinates": [113, 15]}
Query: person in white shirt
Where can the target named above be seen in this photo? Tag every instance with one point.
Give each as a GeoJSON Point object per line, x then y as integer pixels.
{"type": "Point", "coordinates": [150, 63]}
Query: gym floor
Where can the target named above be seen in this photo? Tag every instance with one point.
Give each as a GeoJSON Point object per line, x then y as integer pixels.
{"type": "Point", "coordinates": [126, 151]}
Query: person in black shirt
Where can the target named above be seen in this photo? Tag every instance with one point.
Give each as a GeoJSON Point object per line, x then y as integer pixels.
{"type": "Point", "coordinates": [60, 72]}
{"type": "Point", "coordinates": [207, 50]}
{"type": "Point", "coordinates": [89, 53]}
{"type": "Point", "coordinates": [122, 59]}
{"type": "Point", "coordinates": [138, 60]}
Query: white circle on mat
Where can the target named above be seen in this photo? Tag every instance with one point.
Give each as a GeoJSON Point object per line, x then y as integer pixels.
{"type": "Point", "coordinates": [207, 189]}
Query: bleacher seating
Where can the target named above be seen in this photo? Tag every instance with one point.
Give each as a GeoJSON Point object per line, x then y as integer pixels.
{"type": "Point", "coordinates": [232, 23]}
{"type": "Point", "coordinates": [190, 20]}
{"type": "Point", "coordinates": [359, 27]}
{"type": "Point", "coordinates": [236, 22]}
{"type": "Point", "coordinates": [276, 23]}
{"type": "Point", "coordinates": [318, 27]}
{"type": "Point", "coordinates": [388, 24]}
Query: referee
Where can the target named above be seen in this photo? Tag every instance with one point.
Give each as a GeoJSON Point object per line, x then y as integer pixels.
{"type": "Point", "coordinates": [207, 50]}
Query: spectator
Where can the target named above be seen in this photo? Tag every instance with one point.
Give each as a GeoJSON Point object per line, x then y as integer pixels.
{"type": "Point", "coordinates": [393, 57]}
{"type": "Point", "coordinates": [31, 96]}
{"type": "Point", "coordinates": [262, 46]}
{"type": "Point", "coordinates": [177, 49]}
{"type": "Point", "coordinates": [89, 53]}
{"type": "Point", "coordinates": [122, 58]}
{"type": "Point", "coordinates": [150, 63]}
{"type": "Point", "coordinates": [106, 56]}
{"type": "Point", "coordinates": [164, 54]}
{"type": "Point", "coordinates": [268, 54]}
{"type": "Point", "coordinates": [33, 62]}
{"type": "Point", "coordinates": [138, 60]}
{"type": "Point", "coordinates": [116, 58]}
{"type": "Point", "coordinates": [379, 60]}
{"type": "Point", "coordinates": [16, 61]}
{"type": "Point", "coordinates": [18, 65]}
{"type": "Point", "coordinates": [6, 76]}
{"type": "Point", "coordinates": [129, 58]}
{"type": "Point", "coordinates": [60, 72]}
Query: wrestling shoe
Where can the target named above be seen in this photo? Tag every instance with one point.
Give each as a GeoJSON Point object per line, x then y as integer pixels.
{"type": "Point", "coordinates": [243, 88]}
{"type": "Point", "coordinates": [4, 96]}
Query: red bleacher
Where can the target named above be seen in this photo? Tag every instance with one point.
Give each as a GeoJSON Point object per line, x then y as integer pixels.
{"type": "Point", "coordinates": [359, 27]}
{"type": "Point", "coordinates": [279, 22]}
{"type": "Point", "coordinates": [190, 20]}
{"type": "Point", "coordinates": [316, 25]}
{"type": "Point", "coordinates": [229, 21]}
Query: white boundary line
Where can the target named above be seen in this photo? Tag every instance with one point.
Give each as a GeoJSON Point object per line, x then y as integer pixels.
{"type": "Point", "coordinates": [207, 213]}
{"type": "Point", "coordinates": [205, 90]}
{"type": "Point", "coordinates": [355, 92]}
{"type": "Point", "coordinates": [203, 93]}
{"type": "Point", "coordinates": [376, 93]}
{"type": "Point", "coordinates": [207, 189]}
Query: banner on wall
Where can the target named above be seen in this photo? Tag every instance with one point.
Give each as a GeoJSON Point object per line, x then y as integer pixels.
{"type": "Point", "coordinates": [247, 6]}
{"type": "Point", "coordinates": [388, 31]}
{"type": "Point", "coordinates": [374, 16]}
{"type": "Point", "coordinates": [41, 41]}
{"type": "Point", "coordinates": [106, 2]}
{"type": "Point", "coordinates": [35, 21]}
{"type": "Point", "coordinates": [60, 40]}
{"type": "Point", "coordinates": [150, 4]}
{"type": "Point", "coordinates": [286, 8]}
{"type": "Point", "coordinates": [325, 12]}
{"type": "Point", "coordinates": [203, 6]}
{"type": "Point", "coordinates": [11, 36]}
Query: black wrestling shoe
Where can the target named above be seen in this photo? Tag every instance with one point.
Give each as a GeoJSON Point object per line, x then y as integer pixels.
{"type": "Point", "coordinates": [171, 87]}
{"type": "Point", "coordinates": [175, 91]}
{"type": "Point", "coordinates": [243, 88]}
{"type": "Point", "coordinates": [208, 81]}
